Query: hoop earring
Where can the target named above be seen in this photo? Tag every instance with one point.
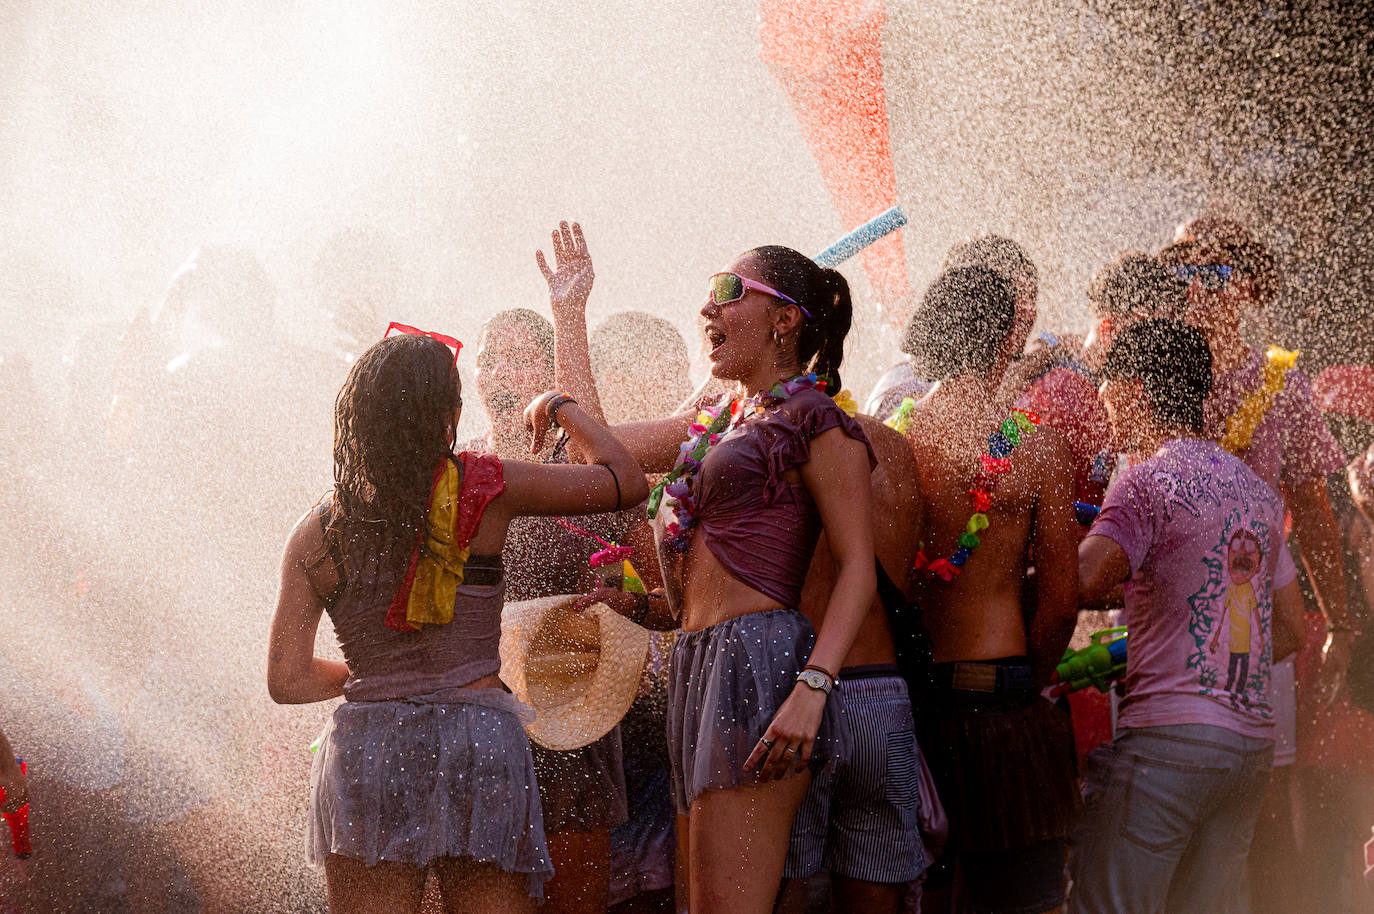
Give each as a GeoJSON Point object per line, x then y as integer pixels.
{"type": "Point", "coordinates": [777, 340]}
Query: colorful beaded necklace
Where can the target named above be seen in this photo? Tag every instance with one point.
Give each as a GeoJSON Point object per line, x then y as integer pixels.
{"type": "Point", "coordinates": [993, 463]}
{"type": "Point", "coordinates": [712, 423]}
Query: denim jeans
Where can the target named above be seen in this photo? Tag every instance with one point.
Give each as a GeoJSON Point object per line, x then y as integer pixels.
{"type": "Point", "coordinates": [1170, 814]}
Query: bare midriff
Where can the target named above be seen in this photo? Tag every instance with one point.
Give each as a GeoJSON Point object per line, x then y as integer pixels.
{"type": "Point", "coordinates": [702, 592]}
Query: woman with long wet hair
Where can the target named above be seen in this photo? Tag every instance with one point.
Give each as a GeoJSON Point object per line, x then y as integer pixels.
{"type": "Point", "coordinates": [426, 764]}
{"type": "Point", "coordinates": [751, 482]}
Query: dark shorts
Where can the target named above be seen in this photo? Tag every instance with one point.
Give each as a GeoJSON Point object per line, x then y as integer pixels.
{"type": "Point", "coordinates": [582, 789]}
{"type": "Point", "coordinates": [861, 816]}
{"type": "Point", "coordinates": [725, 683]}
{"type": "Point", "coordinates": [1004, 764]}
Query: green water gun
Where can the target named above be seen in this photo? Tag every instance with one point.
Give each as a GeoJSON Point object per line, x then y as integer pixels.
{"type": "Point", "coordinates": [1099, 664]}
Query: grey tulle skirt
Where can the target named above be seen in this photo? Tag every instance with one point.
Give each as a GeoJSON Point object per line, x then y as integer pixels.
{"type": "Point", "coordinates": [725, 683]}
{"type": "Point", "coordinates": [413, 780]}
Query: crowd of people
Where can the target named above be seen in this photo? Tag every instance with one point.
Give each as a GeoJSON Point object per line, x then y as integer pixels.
{"type": "Point", "coordinates": [859, 614]}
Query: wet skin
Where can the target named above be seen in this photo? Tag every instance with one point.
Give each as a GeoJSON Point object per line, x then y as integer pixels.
{"type": "Point", "coordinates": [978, 615]}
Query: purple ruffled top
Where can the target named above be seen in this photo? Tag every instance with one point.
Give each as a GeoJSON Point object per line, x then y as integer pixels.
{"type": "Point", "coordinates": [762, 528]}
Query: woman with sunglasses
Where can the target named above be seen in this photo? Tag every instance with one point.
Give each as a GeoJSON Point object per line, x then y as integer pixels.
{"type": "Point", "coordinates": [426, 764]}
{"type": "Point", "coordinates": [750, 485]}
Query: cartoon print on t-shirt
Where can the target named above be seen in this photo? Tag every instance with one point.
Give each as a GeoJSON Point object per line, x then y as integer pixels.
{"type": "Point", "coordinates": [1243, 555]}
{"type": "Point", "coordinates": [1230, 618]}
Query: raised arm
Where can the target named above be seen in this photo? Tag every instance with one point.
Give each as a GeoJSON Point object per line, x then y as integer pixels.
{"type": "Point", "coordinates": [611, 480]}
{"type": "Point", "coordinates": [653, 444]}
{"type": "Point", "coordinates": [570, 283]}
{"type": "Point", "coordinates": [294, 674]}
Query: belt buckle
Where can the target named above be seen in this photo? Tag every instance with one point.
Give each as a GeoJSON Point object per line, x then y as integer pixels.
{"type": "Point", "coordinates": [975, 677]}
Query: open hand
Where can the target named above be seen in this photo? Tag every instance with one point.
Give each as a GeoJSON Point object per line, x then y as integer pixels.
{"type": "Point", "coordinates": [787, 743]}
{"type": "Point", "coordinates": [571, 281]}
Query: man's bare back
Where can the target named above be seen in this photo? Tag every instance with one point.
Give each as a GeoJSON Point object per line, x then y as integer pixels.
{"type": "Point", "coordinates": [896, 521]}
{"type": "Point", "coordinates": [979, 614]}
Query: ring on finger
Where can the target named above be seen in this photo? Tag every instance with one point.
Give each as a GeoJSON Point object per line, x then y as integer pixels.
{"type": "Point", "coordinates": [766, 742]}
{"type": "Point", "coordinates": [790, 750]}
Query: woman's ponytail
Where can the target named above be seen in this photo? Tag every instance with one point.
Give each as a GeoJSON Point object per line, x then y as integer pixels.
{"type": "Point", "coordinates": [833, 326]}
{"type": "Point", "coordinates": [825, 294]}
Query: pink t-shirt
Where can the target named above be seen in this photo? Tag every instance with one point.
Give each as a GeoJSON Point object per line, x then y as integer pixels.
{"type": "Point", "coordinates": [1293, 444]}
{"type": "Point", "coordinates": [1204, 536]}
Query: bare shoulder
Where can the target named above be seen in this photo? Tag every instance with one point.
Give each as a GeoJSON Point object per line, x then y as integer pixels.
{"type": "Point", "coordinates": [306, 542]}
{"type": "Point", "coordinates": [889, 446]}
{"type": "Point", "coordinates": [1046, 454]}
{"type": "Point", "coordinates": [897, 468]}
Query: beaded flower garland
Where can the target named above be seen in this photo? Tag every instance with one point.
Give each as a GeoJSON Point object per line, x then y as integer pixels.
{"type": "Point", "coordinates": [1242, 424]}
{"type": "Point", "coordinates": [995, 462]}
{"type": "Point", "coordinates": [712, 423]}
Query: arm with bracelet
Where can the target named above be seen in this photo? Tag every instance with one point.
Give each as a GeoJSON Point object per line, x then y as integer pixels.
{"type": "Point", "coordinates": [570, 284]}
{"type": "Point", "coordinates": [611, 471]}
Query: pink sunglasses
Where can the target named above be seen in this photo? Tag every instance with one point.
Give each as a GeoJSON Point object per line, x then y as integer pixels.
{"type": "Point", "coordinates": [727, 287]}
{"type": "Point", "coordinates": [448, 341]}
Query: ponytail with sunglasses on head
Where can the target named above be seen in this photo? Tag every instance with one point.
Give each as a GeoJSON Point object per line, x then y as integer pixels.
{"type": "Point", "coordinates": [821, 291]}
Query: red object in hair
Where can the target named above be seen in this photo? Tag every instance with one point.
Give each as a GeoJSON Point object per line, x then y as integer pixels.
{"type": "Point", "coordinates": [921, 560]}
{"type": "Point", "coordinates": [448, 341]}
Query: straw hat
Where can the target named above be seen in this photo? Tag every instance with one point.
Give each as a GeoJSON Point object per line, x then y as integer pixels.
{"type": "Point", "coordinates": [580, 671]}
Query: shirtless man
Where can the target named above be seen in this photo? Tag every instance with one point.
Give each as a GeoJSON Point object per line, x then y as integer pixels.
{"type": "Point", "coordinates": [1002, 756]}
{"type": "Point", "coordinates": [860, 819]}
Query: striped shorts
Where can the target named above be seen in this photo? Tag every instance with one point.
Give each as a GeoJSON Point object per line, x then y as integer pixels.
{"type": "Point", "coordinates": [861, 816]}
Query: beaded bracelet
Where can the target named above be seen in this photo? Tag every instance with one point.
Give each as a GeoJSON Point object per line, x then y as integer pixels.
{"type": "Point", "coordinates": [557, 403]}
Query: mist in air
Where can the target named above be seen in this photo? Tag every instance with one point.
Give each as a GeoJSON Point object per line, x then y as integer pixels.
{"type": "Point", "coordinates": [206, 211]}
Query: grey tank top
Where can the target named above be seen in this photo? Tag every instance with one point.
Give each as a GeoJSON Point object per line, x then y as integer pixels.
{"type": "Point", "coordinates": [385, 664]}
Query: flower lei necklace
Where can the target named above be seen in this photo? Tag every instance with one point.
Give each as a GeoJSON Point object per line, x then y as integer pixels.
{"type": "Point", "coordinates": [995, 462]}
{"type": "Point", "coordinates": [712, 423]}
{"type": "Point", "coordinates": [1242, 424]}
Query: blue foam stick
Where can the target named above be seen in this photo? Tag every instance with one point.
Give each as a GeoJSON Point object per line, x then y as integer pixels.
{"type": "Point", "coordinates": [851, 244]}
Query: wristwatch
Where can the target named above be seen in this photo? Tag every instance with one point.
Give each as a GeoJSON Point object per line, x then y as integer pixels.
{"type": "Point", "coordinates": [816, 680]}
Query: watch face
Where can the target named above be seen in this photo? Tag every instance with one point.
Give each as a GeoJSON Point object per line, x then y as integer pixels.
{"type": "Point", "coordinates": [815, 679]}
